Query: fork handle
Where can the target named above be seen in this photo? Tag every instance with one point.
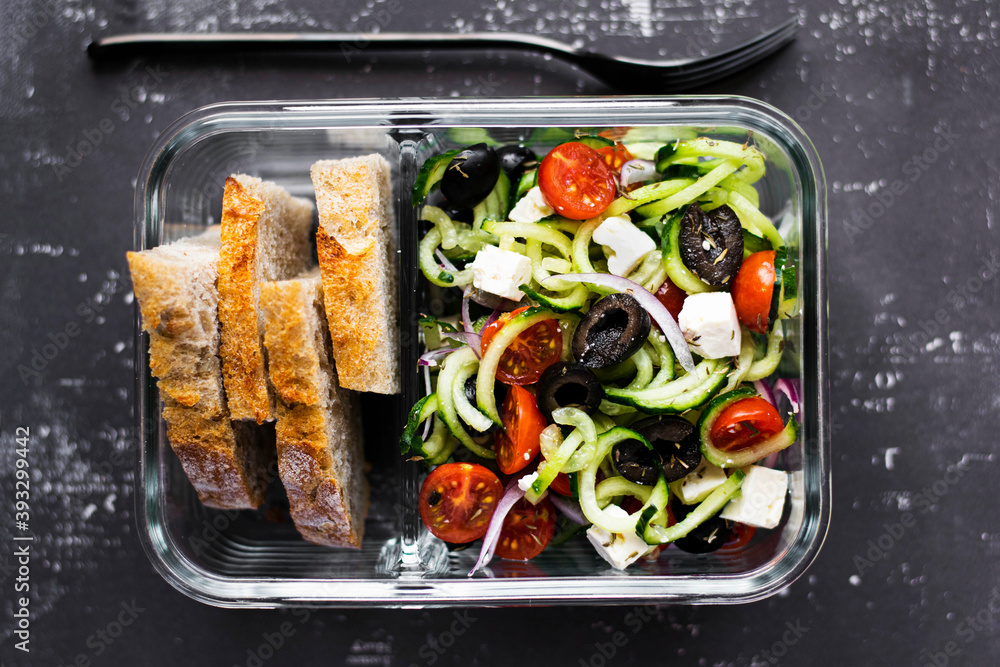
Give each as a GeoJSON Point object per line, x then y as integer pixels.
{"type": "Point", "coordinates": [349, 44]}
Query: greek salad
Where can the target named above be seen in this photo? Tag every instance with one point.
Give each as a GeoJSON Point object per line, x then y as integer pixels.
{"type": "Point", "coordinates": [610, 364]}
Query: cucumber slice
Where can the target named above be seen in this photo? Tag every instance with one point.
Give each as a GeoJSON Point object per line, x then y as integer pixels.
{"type": "Point", "coordinates": [447, 387]}
{"type": "Point", "coordinates": [494, 207]}
{"type": "Point", "coordinates": [677, 271]}
{"type": "Point", "coordinates": [753, 243]}
{"type": "Point", "coordinates": [570, 303]}
{"type": "Point", "coordinates": [430, 175]}
{"type": "Point", "coordinates": [529, 179]}
{"type": "Point", "coordinates": [674, 397]}
{"type": "Point", "coordinates": [742, 457]}
{"type": "Point", "coordinates": [421, 411]}
{"type": "Point", "coordinates": [708, 508]}
{"type": "Point", "coordinates": [596, 143]}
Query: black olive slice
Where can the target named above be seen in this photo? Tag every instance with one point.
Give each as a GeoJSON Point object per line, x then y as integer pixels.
{"type": "Point", "coordinates": [612, 331]}
{"type": "Point", "coordinates": [712, 244]}
{"type": "Point", "coordinates": [706, 538]}
{"type": "Point", "coordinates": [565, 385]}
{"type": "Point", "coordinates": [470, 176]}
{"type": "Point", "coordinates": [636, 462]}
{"type": "Point", "coordinates": [675, 440]}
{"type": "Point", "coordinates": [515, 160]}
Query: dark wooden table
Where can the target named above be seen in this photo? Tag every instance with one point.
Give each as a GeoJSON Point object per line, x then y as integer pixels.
{"type": "Point", "coordinates": [902, 103]}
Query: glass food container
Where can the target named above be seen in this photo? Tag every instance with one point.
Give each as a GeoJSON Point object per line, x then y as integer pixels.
{"type": "Point", "coordinates": [257, 559]}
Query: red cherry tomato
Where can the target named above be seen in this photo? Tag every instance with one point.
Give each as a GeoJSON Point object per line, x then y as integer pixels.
{"type": "Point", "coordinates": [615, 156]}
{"type": "Point", "coordinates": [561, 485]}
{"type": "Point", "coordinates": [457, 501]}
{"type": "Point", "coordinates": [517, 445]}
{"type": "Point", "coordinates": [534, 350]}
{"type": "Point", "coordinates": [576, 182]}
{"type": "Point", "coordinates": [527, 530]}
{"type": "Point", "coordinates": [671, 296]}
{"type": "Point", "coordinates": [745, 423]}
{"type": "Point", "coordinates": [742, 534]}
{"type": "Point", "coordinates": [752, 290]}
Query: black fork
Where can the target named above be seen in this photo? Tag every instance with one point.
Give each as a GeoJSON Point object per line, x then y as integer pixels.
{"type": "Point", "coordinates": [624, 74]}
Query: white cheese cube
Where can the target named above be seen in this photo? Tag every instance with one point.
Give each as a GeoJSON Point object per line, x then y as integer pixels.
{"type": "Point", "coordinates": [761, 500]}
{"type": "Point", "coordinates": [525, 482]}
{"type": "Point", "coordinates": [710, 325]}
{"type": "Point", "coordinates": [697, 485]}
{"type": "Point", "coordinates": [619, 550]}
{"type": "Point", "coordinates": [627, 243]}
{"type": "Point", "coordinates": [501, 272]}
{"type": "Point", "coordinates": [531, 208]}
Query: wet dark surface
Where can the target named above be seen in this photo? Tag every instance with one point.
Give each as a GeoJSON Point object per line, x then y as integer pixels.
{"type": "Point", "coordinates": [900, 100]}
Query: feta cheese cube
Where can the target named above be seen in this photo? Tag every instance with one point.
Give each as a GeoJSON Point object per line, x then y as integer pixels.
{"type": "Point", "coordinates": [531, 208]}
{"type": "Point", "coordinates": [501, 272]}
{"type": "Point", "coordinates": [627, 243]}
{"type": "Point", "coordinates": [619, 550]}
{"type": "Point", "coordinates": [710, 325]}
{"type": "Point", "coordinates": [761, 500]}
{"type": "Point", "coordinates": [525, 482]}
{"type": "Point", "coordinates": [698, 484]}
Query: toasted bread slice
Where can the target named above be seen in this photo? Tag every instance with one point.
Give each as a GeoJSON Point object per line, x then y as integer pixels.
{"type": "Point", "coordinates": [265, 236]}
{"type": "Point", "coordinates": [320, 452]}
{"type": "Point", "coordinates": [175, 286]}
{"type": "Point", "coordinates": [357, 255]}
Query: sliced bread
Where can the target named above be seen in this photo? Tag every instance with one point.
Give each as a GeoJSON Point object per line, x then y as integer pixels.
{"type": "Point", "coordinates": [265, 237]}
{"type": "Point", "coordinates": [319, 440]}
{"type": "Point", "coordinates": [357, 255]}
{"type": "Point", "coordinates": [175, 286]}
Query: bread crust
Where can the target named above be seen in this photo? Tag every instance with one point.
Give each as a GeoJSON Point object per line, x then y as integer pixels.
{"type": "Point", "coordinates": [175, 288]}
{"type": "Point", "coordinates": [319, 439]}
{"type": "Point", "coordinates": [264, 231]}
{"type": "Point", "coordinates": [357, 255]}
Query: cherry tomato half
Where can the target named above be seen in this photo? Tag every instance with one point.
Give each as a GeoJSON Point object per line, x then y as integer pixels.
{"type": "Point", "coordinates": [745, 423]}
{"type": "Point", "coordinates": [576, 182]}
{"type": "Point", "coordinates": [561, 485]}
{"type": "Point", "coordinates": [517, 444]}
{"type": "Point", "coordinates": [752, 290]}
{"type": "Point", "coordinates": [527, 530]}
{"type": "Point", "coordinates": [534, 350]}
{"type": "Point", "coordinates": [741, 535]}
{"type": "Point", "coordinates": [615, 156]}
{"type": "Point", "coordinates": [671, 296]}
{"type": "Point", "coordinates": [457, 501]}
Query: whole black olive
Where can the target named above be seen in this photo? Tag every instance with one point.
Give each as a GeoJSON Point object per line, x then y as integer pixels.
{"type": "Point", "coordinates": [675, 440]}
{"type": "Point", "coordinates": [470, 176]}
{"type": "Point", "coordinates": [612, 331]}
{"type": "Point", "coordinates": [565, 385]}
{"type": "Point", "coordinates": [712, 243]}
{"type": "Point", "coordinates": [515, 160]}
{"type": "Point", "coordinates": [636, 462]}
{"type": "Point", "coordinates": [706, 538]}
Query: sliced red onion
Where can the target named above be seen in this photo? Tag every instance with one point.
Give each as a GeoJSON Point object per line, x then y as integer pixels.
{"type": "Point", "coordinates": [467, 324]}
{"type": "Point", "coordinates": [445, 262]}
{"type": "Point", "coordinates": [569, 507]}
{"type": "Point", "coordinates": [511, 495]}
{"type": "Point", "coordinates": [789, 388]}
{"type": "Point", "coordinates": [473, 340]}
{"type": "Point", "coordinates": [637, 171]}
{"type": "Point", "coordinates": [656, 310]}
{"type": "Point", "coordinates": [765, 391]}
{"type": "Point", "coordinates": [427, 390]}
{"type": "Point", "coordinates": [431, 358]}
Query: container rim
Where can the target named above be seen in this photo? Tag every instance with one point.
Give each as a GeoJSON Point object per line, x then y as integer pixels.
{"type": "Point", "coordinates": [417, 113]}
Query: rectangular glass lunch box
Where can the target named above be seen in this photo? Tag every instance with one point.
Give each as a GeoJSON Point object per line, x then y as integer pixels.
{"type": "Point", "coordinates": [257, 559]}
